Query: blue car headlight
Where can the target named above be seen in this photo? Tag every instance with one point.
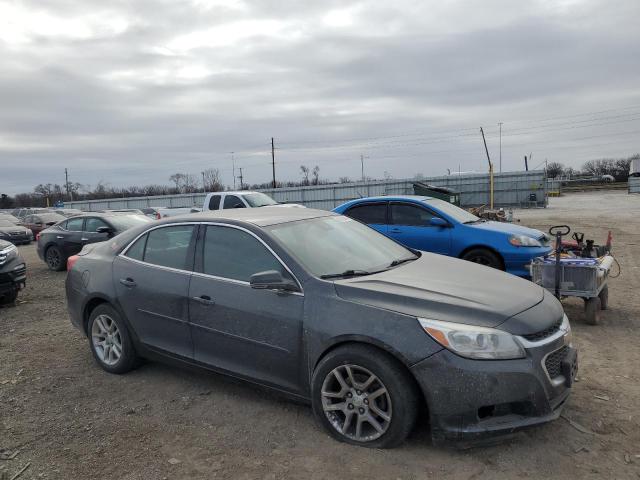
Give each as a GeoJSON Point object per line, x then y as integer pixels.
{"type": "Point", "coordinates": [524, 241]}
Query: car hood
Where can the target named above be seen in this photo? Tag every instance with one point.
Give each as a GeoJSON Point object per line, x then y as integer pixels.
{"type": "Point", "coordinates": [453, 290]}
{"type": "Point", "coordinates": [509, 228]}
{"type": "Point", "coordinates": [15, 228]}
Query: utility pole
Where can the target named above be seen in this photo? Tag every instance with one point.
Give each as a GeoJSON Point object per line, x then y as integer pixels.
{"type": "Point", "coordinates": [362, 157]}
{"type": "Point", "coordinates": [490, 170]}
{"type": "Point", "coordinates": [240, 177]}
{"type": "Point", "coordinates": [500, 125]}
{"type": "Point", "coordinates": [66, 179]}
{"type": "Point", "coordinates": [233, 167]}
{"type": "Point", "coordinates": [204, 187]}
{"type": "Point", "coordinates": [273, 162]}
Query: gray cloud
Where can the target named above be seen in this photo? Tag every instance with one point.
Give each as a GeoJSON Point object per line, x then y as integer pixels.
{"type": "Point", "coordinates": [130, 92]}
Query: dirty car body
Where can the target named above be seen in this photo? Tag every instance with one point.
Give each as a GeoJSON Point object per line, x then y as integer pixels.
{"type": "Point", "coordinates": [471, 343]}
{"type": "Point", "coordinates": [13, 272]}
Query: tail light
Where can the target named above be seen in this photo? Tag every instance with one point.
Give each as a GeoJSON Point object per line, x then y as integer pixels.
{"type": "Point", "coordinates": [71, 261]}
{"type": "Point", "coordinates": [158, 216]}
{"type": "Point", "coordinates": [38, 237]}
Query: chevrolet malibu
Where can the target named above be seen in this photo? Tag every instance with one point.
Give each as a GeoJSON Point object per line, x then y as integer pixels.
{"type": "Point", "coordinates": [325, 309]}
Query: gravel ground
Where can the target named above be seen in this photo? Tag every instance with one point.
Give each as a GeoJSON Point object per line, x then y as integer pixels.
{"type": "Point", "coordinates": [67, 418]}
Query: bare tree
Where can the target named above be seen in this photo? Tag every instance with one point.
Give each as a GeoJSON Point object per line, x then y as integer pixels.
{"type": "Point", "coordinates": [345, 180]}
{"type": "Point", "coordinates": [316, 175]}
{"type": "Point", "coordinates": [177, 178]}
{"type": "Point", "coordinates": [555, 169]}
{"type": "Point", "coordinates": [189, 183]}
{"type": "Point", "coordinates": [212, 182]}
{"type": "Point", "coordinates": [304, 171]}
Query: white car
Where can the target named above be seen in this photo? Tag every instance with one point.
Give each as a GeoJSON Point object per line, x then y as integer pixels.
{"type": "Point", "coordinates": [164, 212]}
{"type": "Point", "coordinates": [242, 199]}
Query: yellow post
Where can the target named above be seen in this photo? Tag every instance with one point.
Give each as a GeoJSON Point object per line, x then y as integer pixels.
{"type": "Point", "coordinates": [491, 184]}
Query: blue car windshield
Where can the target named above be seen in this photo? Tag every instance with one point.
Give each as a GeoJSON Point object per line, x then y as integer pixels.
{"type": "Point", "coordinates": [451, 211]}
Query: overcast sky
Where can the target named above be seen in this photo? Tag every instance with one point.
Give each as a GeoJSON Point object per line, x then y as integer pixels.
{"type": "Point", "coordinates": [128, 92]}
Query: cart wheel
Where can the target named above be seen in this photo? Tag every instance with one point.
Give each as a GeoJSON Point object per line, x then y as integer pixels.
{"type": "Point", "coordinates": [592, 310]}
{"type": "Point", "coordinates": [604, 297]}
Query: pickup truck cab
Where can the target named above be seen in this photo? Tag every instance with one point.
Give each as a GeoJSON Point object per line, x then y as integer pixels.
{"type": "Point", "coordinates": [242, 199]}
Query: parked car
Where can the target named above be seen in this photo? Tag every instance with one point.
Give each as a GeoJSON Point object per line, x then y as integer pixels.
{"type": "Point", "coordinates": [67, 212]}
{"type": "Point", "coordinates": [13, 233]}
{"type": "Point", "coordinates": [242, 199]}
{"type": "Point", "coordinates": [57, 243]}
{"type": "Point", "coordinates": [10, 218]}
{"type": "Point", "coordinates": [328, 310]}
{"type": "Point", "coordinates": [13, 272]}
{"type": "Point", "coordinates": [175, 211]}
{"type": "Point", "coordinates": [433, 225]}
{"type": "Point", "coordinates": [20, 213]}
{"type": "Point", "coordinates": [38, 222]}
{"type": "Point", "coordinates": [136, 211]}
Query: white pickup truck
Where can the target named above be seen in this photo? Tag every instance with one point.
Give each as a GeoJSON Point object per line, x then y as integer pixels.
{"type": "Point", "coordinates": [242, 199]}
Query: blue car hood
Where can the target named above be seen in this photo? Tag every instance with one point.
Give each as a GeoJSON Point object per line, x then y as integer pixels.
{"type": "Point", "coordinates": [508, 228]}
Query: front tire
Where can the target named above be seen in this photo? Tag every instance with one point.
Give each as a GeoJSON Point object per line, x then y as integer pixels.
{"type": "Point", "coordinates": [54, 259]}
{"type": "Point", "coordinates": [9, 298]}
{"type": "Point", "coordinates": [483, 257]}
{"type": "Point", "coordinates": [364, 397]}
{"type": "Point", "coordinates": [110, 341]}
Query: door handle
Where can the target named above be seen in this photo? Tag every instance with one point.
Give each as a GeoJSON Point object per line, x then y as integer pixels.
{"type": "Point", "coordinates": [395, 230]}
{"type": "Point", "coordinates": [59, 237]}
{"type": "Point", "coordinates": [84, 239]}
{"type": "Point", "coordinates": [128, 282]}
{"type": "Point", "coordinates": [204, 300]}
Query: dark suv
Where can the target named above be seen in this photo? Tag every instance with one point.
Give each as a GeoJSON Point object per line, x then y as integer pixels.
{"type": "Point", "coordinates": [13, 272]}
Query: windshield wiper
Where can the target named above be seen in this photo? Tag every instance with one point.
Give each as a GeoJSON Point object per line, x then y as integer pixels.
{"type": "Point", "coordinates": [479, 220]}
{"type": "Point", "coordinates": [400, 261]}
{"type": "Point", "coordinates": [346, 273]}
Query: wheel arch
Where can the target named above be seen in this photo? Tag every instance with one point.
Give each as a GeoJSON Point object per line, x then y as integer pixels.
{"type": "Point", "coordinates": [483, 247]}
{"type": "Point", "coordinates": [383, 348]}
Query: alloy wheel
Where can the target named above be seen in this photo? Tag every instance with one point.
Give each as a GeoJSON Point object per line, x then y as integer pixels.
{"type": "Point", "coordinates": [53, 258]}
{"type": "Point", "coordinates": [106, 339]}
{"type": "Point", "coordinates": [356, 403]}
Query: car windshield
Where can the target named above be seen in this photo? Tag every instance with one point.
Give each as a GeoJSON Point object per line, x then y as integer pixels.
{"type": "Point", "coordinates": [125, 222]}
{"type": "Point", "coordinates": [259, 200]}
{"type": "Point", "coordinates": [339, 246]}
{"type": "Point", "coordinates": [456, 213]}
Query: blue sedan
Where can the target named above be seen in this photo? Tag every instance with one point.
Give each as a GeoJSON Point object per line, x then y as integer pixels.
{"type": "Point", "coordinates": [433, 225]}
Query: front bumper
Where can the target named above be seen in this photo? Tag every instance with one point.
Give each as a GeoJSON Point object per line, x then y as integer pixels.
{"type": "Point", "coordinates": [472, 399]}
{"type": "Point", "coordinates": [517, 260]}
{"type": "Point", "coordinates": [13, 279]}
{"type": "Point", "coordinates": [18, 239]}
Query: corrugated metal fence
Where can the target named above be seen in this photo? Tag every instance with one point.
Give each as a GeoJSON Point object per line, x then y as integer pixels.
{"type": "Point", "coordinates": [511, 189]}
{"type": "Point", "coordinates": [634, 184]}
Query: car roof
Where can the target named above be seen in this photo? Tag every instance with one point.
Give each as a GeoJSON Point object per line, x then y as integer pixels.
{"type": "Point", "coordinates": [237, 192]}
{"type": "Point", "coordinates": [388, 198]}
{"type": "Point", "coordinates": [262, 216]}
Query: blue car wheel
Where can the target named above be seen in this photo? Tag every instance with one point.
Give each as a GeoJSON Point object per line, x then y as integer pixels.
{"type": "Point", "coordinates": [483, 257]}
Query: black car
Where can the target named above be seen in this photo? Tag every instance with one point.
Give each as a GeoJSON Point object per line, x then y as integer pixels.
{"type": "Point", "coordinates": [57, 243]}
{"type": "Point", "coordinates": [13, 233]}
{"type": "Point", "coordinates": [326, 309]}
{"type": "Point", "coordinates": [13, 272]}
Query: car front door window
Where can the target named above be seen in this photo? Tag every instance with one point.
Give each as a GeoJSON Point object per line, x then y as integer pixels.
{"type": "Point", "coordinates": [231, 201]}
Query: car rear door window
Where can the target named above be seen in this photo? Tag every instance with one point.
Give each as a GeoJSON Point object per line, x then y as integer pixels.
{"type": "Point", "coordinates": [409, 215]}
{"type": "Point", "coordinates": [235, 254]}
{"type": "Point", "coordinates": [214, 202]}
{"type": "Point", "coordinates": [231, 201]}
{"type": "Point", "coordinates": [92, 224]}
{"type": "Point", "coordinates": [136, 251]}
{"type": "Point", "coordinates": [74, 224]}
{"type": "Point", "coordinates": [169, 246]}
{"type": "Point", "coordinates": [373, 214]}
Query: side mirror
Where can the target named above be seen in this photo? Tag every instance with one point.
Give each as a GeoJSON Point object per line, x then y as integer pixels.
{"type": "Point", "coordinates": [38, 224]}
{"type": "Point", "coordinates": [438, 222]}
{"type": "Point", "coordinates": [107, 230]}
{"type": "Point", "coordinates": [272, 280]}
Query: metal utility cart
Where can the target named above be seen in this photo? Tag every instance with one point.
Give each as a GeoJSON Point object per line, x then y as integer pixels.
{"type": "Point", "coordinates": [568, 276]}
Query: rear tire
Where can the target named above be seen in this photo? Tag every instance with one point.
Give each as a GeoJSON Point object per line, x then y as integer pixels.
{"type": "Point", "coordinates": [364, 397]}
{"type": "Point", "coordinates": [483, 257]}
{"type": "Point", "coordinates": [592, 309]}
{"type": "Point", "coordinates": [9, 298]}
{"type": "Point", "coordinates": [604, 297]}
{"type": "Point", "coordinates": [55, 259]}
{"type": "Point", "coordinates": [110, 341]}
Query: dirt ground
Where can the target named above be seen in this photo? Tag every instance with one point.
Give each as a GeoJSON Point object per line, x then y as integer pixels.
{"type": "Point", "coordinates": [68, 419]}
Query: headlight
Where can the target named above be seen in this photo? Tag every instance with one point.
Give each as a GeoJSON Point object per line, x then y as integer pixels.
{"type": "Point", "coordinates": [523, 241]}
{"type": "Point", "coordinates": [7, 253]}
{"type": "Point", "coordinates": [469, 341]}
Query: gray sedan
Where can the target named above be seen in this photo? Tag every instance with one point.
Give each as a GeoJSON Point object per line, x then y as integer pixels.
{"type": "Point", "coordinates": [325, 309]}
